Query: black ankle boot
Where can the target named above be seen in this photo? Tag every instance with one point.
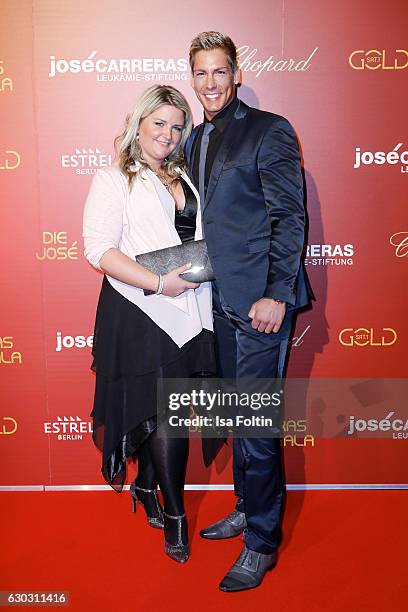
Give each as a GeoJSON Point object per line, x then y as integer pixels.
{"type": "Point", "coordinates": [148, 499]}
{"type": "Point", "coordinates": [176, 537]}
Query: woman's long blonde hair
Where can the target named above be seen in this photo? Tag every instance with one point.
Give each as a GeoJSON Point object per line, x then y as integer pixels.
{"type": "Point", "coordinates": [129, 152]}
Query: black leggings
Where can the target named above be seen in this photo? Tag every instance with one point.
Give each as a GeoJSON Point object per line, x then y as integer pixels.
{"type": "Point", "coordinates": [162, 461]}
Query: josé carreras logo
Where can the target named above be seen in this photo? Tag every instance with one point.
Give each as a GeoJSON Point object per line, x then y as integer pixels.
{"type": "Point", "coordinates": [363, 336]}
{"type": "Point", "coordinates": [69, 342]}
{"type": "Point", "coordinates": [68, 428]}
{"type": "Point", "coordinates": [86, 161]}
{"type": "Point", "coordinates": [56, 246]}
{"type": "Point", "coordinates": [390, 425]}
{"type": "Point", "coordinates": [329, 255]}
{"type": "Point", "coordinates": [379, 59]}
{"type": "Point", "coordinates": [397, 155]}
{"type": "Point", "coordinates": [108, 69]}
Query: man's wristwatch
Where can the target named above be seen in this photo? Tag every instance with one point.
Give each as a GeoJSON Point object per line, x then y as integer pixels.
{"type": "Point", "coordinates": [279, 301]}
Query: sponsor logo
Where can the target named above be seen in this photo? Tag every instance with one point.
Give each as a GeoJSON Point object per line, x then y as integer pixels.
{"type": "Point", "coordinates": [86, 161]}
{"type": "Point", "coordinates": [379, 158]}
{"type": "Point", "coordinates": [250, 62]}
{"type": "Point", "coordinates": [367, 336]}
{"type": "Point", "coordinates": [11, 160]}
{"type": "Point", "coordinates": [122, 70]}
{"type": "Point", "coordinates": [379, 59]}
{"type": "Point", "coordinates": [329, 255]}
{"type": "Point", "coordinates": [68, 428]}
{"type": "Point", "coordinates": [399, 240]}
{"type": "Point", "coordinates": [394, 425]}
{"type": "Point", "coordinates": [298, 426]}
{"type": "Point", "coordinates": [55, 245]}
{"type": "Point", "coordinates": [6, 83]}
{"type": "Point", "coordinates": [8, 426]}
{"type": "Point", "coordinates": [298, 340]}
{"type": "Point", "coordinates": [7, 355]}
{"type": "Point", "coordinates": [294, 440]}
{"type": "Point", "coordinates": [69, 342]}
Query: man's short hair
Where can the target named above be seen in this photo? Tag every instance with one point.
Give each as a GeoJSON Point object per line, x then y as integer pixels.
{"type": "Point", "coordinates": [206, 41]}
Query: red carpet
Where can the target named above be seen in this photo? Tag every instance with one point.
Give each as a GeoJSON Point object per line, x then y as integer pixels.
{"type": "Point", "coordinates": [343, 550]}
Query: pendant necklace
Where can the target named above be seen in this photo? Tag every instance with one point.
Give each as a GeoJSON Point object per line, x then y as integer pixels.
{"type": "Point", "coordinates": [163, 181]}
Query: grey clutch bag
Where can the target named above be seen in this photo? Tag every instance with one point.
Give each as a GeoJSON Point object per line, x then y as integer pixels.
{"type": "Point", "coordinates": [165, 260]}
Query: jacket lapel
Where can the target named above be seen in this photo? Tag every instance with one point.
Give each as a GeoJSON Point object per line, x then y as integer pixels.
{"type": "Point", "coordinates": [233, 134]}
{"type": "Point", "coordinates": [189, 148]}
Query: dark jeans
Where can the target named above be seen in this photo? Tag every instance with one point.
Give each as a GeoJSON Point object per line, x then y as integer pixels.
{"type": "Point", "coordinates": [257, 462]}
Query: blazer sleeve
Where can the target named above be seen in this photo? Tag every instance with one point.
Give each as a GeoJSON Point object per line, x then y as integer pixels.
{"type": "Point", "coordinates": [103, 216]}
{"type": "Point", "coordinates": [280, 173]}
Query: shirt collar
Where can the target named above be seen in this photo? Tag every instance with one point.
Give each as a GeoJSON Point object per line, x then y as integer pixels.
{"type": "Point", "coordinates": [222, 118]}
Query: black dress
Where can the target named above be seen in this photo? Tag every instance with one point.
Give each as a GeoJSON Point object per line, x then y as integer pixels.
{"type": "Point", "coordinates": [130, 353]}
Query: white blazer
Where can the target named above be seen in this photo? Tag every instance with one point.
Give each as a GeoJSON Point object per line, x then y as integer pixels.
{"type": "Point", "coordinates": [139, 221]}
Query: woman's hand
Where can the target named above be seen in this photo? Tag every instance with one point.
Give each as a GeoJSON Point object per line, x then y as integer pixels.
{"type": "Point", "coordinates": [174, 285]}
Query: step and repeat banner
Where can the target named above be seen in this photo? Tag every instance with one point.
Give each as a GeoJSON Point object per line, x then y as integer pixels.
{"type": "Point", "coordinates": [69, 73]}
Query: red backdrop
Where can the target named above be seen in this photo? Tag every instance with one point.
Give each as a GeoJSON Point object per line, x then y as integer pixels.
{"type": "Point", "coordinates": [69, 73]}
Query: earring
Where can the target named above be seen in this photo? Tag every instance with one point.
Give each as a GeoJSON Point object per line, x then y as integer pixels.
{"type": "Point", "coordinates": [137, 137]}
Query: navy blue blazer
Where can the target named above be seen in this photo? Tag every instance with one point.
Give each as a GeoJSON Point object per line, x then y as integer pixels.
{"type": "Point", "coordinates": [253, 214]}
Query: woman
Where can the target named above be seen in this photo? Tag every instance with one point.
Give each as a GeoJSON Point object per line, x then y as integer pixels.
{"type": "Point", "coordinates": [144, 203]}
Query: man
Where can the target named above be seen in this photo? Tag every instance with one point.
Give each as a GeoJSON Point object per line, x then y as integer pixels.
{"type": "Point", "coordinates": [246, 164]}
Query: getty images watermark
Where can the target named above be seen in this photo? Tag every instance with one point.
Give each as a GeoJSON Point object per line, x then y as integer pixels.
{"type": "Point", "coordinates": [221, 408]}
{"type": "Point", "coordinates": [268, 408]}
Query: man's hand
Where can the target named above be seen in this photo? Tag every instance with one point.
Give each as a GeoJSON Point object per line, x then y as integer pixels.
{"type": "Point", "coordinates": [267, 315]}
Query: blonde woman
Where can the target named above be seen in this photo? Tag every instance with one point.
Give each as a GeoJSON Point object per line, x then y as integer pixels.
{"type": "Point", "coordinates": [143, 203]}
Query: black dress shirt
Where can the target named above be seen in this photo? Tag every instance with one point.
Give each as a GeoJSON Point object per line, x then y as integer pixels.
{"type": "Point", "coordinates": [220, 122]}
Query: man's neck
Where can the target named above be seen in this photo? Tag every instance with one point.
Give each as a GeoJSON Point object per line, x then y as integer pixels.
{"type": "Point", "coordinates": [220, 112]}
